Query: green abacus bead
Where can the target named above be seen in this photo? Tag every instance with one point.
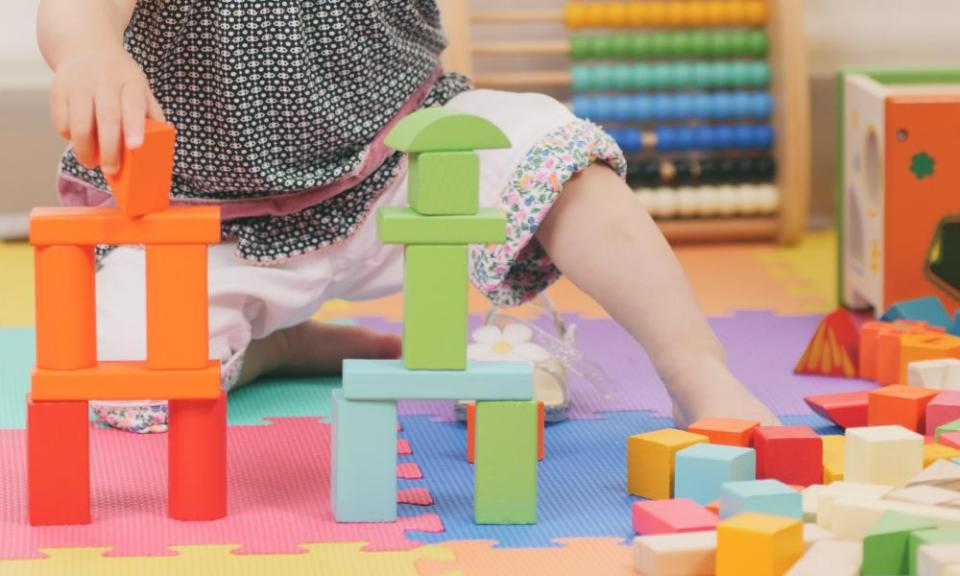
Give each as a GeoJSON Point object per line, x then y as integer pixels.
{"type": "Point", "coordinates": [661, 45]}
{"type": "Point", "coordinates": [620, 78]}
{"type": "Point", "coordinates": [739, 43]}
{"type": "Point", "coordinates": [602, 77]}
{"type": "Point", "coordinates": [602, 46]}
{"type": "Point", "coordinates": [757, 43]}
{"type": "Point", "coordinates": [720, 43]}
{"type": "Point", "coordinates": [683, 43]}
{"type": "Point", "coordinates": [723, 73]}
{"type": "Point", "coordinates": [620, 46]}
{"type": "Point", "coordinates": [640, 45]}
{"type": "Point", "coordinates": [581, 47]}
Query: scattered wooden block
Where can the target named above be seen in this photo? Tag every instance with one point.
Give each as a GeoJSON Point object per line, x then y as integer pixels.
{"type": "Point", "coordinates": [808, 501]}
{"type": "Point", "coordinates": [886, 544]}
{"type": "Point", "coordinates": [758, 544]}
{"type": "Point", "coordinates": [924, 494]}
{"type": "Point", "coordinates": [66, 314]}
{"type": "Point", "coordinates": [934, 559]}
{"type": "Point", "coordinates": [833, 350]}
{"type": "Point", "coordinates": [890, 346]}
{"type": "Point", "coordinates": [505, 470]}
{"type": "Point", "coordinates": [869, 332]}
{"type": "Point", "coordinates": [681, 554]}
{"type": "Point", "coordinates": [813, 533]}
{"type": "Point", "coordinates": [126, 381]}
{"type": "Point", "coordinates": [650, 458]}
{"type": "Point", "coordinates": [942, 409]}
{"type": "Point", "coordinates": [932, 374]}
{"type": "Point", "coordinates": [929, 537]}
{"type": "Point", "coordinates": [847, 409]}
{"type": "Point", "coordinates": [444, 183]}
{"type": "Point", "coordinates": [942, 473]}
{"type": "Point", "coordinates": [839, 491]}
{"type": "Point", "coordinates": [951, 439]}
{"type": "Point", "coordinates": [435, 307]}
{"type": "Point", "coordinates": [899, 405]}
{"type": "Point", "coordinates": [70, 226]}
{"type": "Point", "coordinates": [853, 517]}
{"type": "Point", "coordinates": [177, 327]}
{"type": "Point", "coordinates": [728, 431]}
{"type": "Point", "coordinates": [701, 469]}
{"type": "Point", "coordinates": [928, 309]}
{"type": "Point", "coordinates": [915, 348]}
{"type": "Point", "coordinates": [934, 452]}
{"type": "Point", "coordinates": [442, 129]}
{"type": "Point", "coordinates": [668, 516]}
{"type": "Point", "coordinates": [889, 455]}
{"type": "Point", "coordinates": [833, 456]}
{"type": "Point", "coordinates": [197, 459]}
{"type": "Point", "coordinates": [791, 454]}
{"type": "Point", "coordinates": [764, 496]}
{"type": "Point", "coordinates": [832, 557]}
{"type": "Point", "coordinates": [58, 463]}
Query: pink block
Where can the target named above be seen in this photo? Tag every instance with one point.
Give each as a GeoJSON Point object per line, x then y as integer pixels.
{"type": "Point", "coordinates": [943, 409]}
{"type": "Point", "coordinates": [951, 439]}
{"type": "Point", "coordinates": [668, 516]}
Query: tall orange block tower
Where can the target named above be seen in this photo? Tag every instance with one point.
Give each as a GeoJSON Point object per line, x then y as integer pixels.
{"type": "Point", "coordinates": [68, 373]}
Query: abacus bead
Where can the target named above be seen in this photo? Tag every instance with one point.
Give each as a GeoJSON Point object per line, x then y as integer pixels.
{"type": "Point", "coordinates": [602, 46]}
{"type": "Point", "coordinates": [709, 170]}
{"type": "Point", "coordinates": [622, 107]}
{"type": "Point", "coordinates": [682, 76]}
{"type": "Point", "coordinates": [683, 104]}
{"type": "Point", "coordinates": [709, 201]}
{"type": "Point", "coordinates": [720, 43]}
{"type": "Point", "coordinates": [763, 136]}
{"type": "Point", "coordinates": [666, 202]}
{"type": "Point", "coordinates": [620, 46]}
{"type": "Point", "coordinates": [575, 14]}
{"type": "Point", "coordinates": [682, 171]}
{"type": "Point", "coordinates": [760, 73]}
{"type": "Point", "coordinates": [661, 75]}
{"type": "Point", "coordinates": [581, 47]}
{"type": "Point", "coordinates": [697, 13]}
{"type": "Point", "coordinates": [594, 15]}
{"type": "Point", "coordinates": [641, 77]}
{"type": "Point", "coordinates": [715, 13]}
{"type": "Point", "coordinates": [722, 105]}
{"type": "Point", "coordinates": [724, 137]}
{"type": "Point", "coordinates": [676, 14]}
{"type": "Point", "coordinates": [697, 44]}
{"type": "Point", "coordinates": [666, 138]}
{"type": "Point", "coordinates": [765, 168]}
{"type": "Point", "coordinates": [687, 201]}
{"type": "Point", "coordinates": [601, 77]}
{"type": "Point", "coordinates": [702, 75]}
{"type": "Point", "coordinates": [736, 11]}
{"type": "Point", "coordinates": [663, 107]}
{"type": "Point", "coordinates": [727, 200]}
{"type": "Point", "coordinates": [581, 78]}
{"type": "Point", "coordinates": [686, 138]}
{"type": "Point", "coordinates": [583, 106]}
{"type": "Point", "coordinates": [643, 107]}
{"type": "Point", "coordinates": [756, 43]}
{"type": "Point", "coordinates": [646, 172]}
{"type": "Point", "coordinates": [615, 15]}
{"type": "Point", "coordinates": [726, 170]}
{"type": "Point", "coordinates": [635, 15]}
{"type": "Point", "coordinates": [756, 13]}
{"type": "Point", "coordinates": [702, 105]}
{"type": "Point", "coordinates": [660, 45]}
{"type": "Point", "coordinates": [655, 13]}
{"type": "Point", "coordinates": [620, 78]}
{"type": "Point", "coordinates": [768, 198]}
{"type": "Point", "coordinates": [763, 105]}
{"type": "Point", "coordinates": [748, 200]}
{"type": "Point", "coordinates": [641, 45]}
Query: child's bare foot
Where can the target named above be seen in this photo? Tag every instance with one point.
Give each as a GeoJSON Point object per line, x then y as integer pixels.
{"type": "Point", "coordinates": [314, 348]}
{"type": "Point", "coordinates": [706, 388]}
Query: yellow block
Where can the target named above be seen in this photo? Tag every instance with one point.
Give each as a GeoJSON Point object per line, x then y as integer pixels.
{"type": "Point", "coordinates": [753, 544]}
{"type": "Point", "coordinates": [832, 458]}
{"type": "Point", "coordinates": [934, 452]}
{"type": "Point", "coordinates": [650, 461]}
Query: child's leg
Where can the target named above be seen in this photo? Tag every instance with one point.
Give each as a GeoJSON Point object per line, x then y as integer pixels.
{"type": "Point", "coordinates": [600, 236]}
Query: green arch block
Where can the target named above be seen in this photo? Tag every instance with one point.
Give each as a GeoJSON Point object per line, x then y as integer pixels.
{"type": "Point", "coordinates": [445, 130]}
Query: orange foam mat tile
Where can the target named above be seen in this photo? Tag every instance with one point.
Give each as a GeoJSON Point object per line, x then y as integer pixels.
{"type": "Point", "coordinates": [572, 556]}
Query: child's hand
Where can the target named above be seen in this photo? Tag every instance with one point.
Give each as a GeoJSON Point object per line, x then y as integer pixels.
{"type": "Point", "coordinates": [95, 97]}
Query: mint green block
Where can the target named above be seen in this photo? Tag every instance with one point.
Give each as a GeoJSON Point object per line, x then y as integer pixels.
{"type": "Point", "coordinates": [390, 380]}
{"type": "Point", "coordinates": [444, 129]}
{"type": "Point", "coordinates": [397, 225]}
{"type": "Point", "coordinates": [886, 545]}
{"type": "Point", "coordinates": [444, 183]}
{"type": "Point", "coordinates": [933, 536]}
{"type": "Point", "coordinates": [953, 426]}
{"type": "Point", "coordinates": [363, 456]}
{"type": "Point", "coordinates": [435, 308]}
{"type": "Point", "coordinates": [505, 463]}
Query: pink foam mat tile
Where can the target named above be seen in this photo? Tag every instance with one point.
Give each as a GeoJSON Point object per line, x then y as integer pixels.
{"type": "Point", "coordinates": [414, 496]}
{"type": "Point", "coordinates": [409, 471]}
{"type": "Point", "coordinates": [403, 447]}
{"type": "Point", "coordinates": [278, 497]}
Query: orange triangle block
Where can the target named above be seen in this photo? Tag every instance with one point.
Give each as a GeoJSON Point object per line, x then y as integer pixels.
{"type": "Point", "coordinates": [834, 349]}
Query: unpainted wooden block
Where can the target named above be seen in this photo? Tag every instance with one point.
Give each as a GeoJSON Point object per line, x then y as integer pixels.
{"type": "Point", "coordinates": [700, 470]}
{"type": "Point", "coordinates": [505, 467]}
{"type": "Point", "coordinates": [396, 225]}
{"type": "Point", "coordinates": [809, 501]}
{"type": "Point", "coordinates": [650, 461]}
{"type": "Point", "coordinates": [435, 308]}
{"type": "Point", "coordinates": [753, 544]}
{"type": "Point", "coordinates": [890, 455]}
{"type": "Point", "coordinates": [924, 494]}
{"type": "Point", "coordinates": [853, 517]}
{"type": "Point", "coordinates": [935, 559]}
{"type": "Point", "coordinates": [941, 473]}
{"type": "Point", "coordinates": [444, 183]}
{"type": "Point", "coordinates": [933, 374]}
{"type": "Point", "coordinates": [838, 491]}
{"type": "Point", "coordinates": [679, 554]}
{"type": "Point", "coordinates": [833, 557]}
{"type": "Point", "coordinates": [917, 348]}
{"type": "Point", "coordinates": [927, 538]}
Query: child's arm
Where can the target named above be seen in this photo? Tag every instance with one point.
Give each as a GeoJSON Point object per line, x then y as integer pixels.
{"type": "Point", "coordinates": [98, 91]}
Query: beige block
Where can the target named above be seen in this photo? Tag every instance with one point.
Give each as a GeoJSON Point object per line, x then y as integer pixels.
{"type": "Point", "coordinates": [829, 557]}
{"type": "Point", "coordinates": [924, 494]}
{"type": "Point", "coordinates": [681, 554]}
{"type": "Point", "coordinates": [853, 517]}
{"type": "Point", "coordinates": [889, 455]}
{"type": "Point", "coordinates": [931, 374]}
{"type": "Point", "coordinates": [810, 496]}
{"type": "Point", "coordinates": [941, 473]}
{"type": "Point", "coordinates": [933, 559]}
{"type": "Point", "coordinates": [843, 490]}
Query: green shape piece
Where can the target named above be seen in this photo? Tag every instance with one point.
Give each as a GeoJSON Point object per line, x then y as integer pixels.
{"type": "Point", "coordinates": [886, 546]}
{"type": "Point", "coordinates": [445, 130]}
{"type": "Point", "coordinates": [444, 183]}
{"type": "Point", "coordinates": [934, 536]}
{"type": "Point", "coordinates": [921, 164]}
{"type": "Point", "coordinates": [435, 308]}
{"type": "Point", "coordinates": [953, 426]}
{"type": "Point", "coordinates": [505, 468]}
{"type": "Point", "coordinates": [397, 225]}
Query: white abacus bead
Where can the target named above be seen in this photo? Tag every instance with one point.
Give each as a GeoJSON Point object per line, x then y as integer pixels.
{"type": "Point", "coordinates": [645, 198]}
{"type": "Point", "coordinates": [688, 201]}
{"type": "Point", "coordinates": [709, 201]}
{"type": "Point", "coordinates": [727, 200]}
{"type": "Point", "coordinates": [748, 200]}
{"type": "Point", "coordinates": [667, 204]}
{"type": "Point", "coordinates": [768, 198]}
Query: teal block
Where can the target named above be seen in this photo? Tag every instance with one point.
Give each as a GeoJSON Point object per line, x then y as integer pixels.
{"type": "Point", "coordinates": [444, 129]}
{"type": "Point", "coordinates": [505, 463]}
{"type": "Point", "coordinates": [886, 546]}
{"type": "Point", "coordinates": [390, 380]}
{"type": "Point", "coordinates": [435, 308]}
{"type": "Point", "coordinates": [444, 183]}
{"type": "Point", "coordinates": [929, 309]}
{"type": "Point", "coordinates": [702, 469]}
{"type": "Point", "coordinates": [405, 226]}
{"type": "Point", "coordinates": [363, 469]}
{"type": "Point", "coordinates": [764, 496]}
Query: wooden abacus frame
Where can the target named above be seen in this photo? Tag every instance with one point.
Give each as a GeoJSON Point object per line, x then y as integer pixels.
{"type": "Point", "coordinates": [788, 85]}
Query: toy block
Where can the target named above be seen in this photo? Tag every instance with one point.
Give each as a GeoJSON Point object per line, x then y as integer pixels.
{"type": "Point", "coordinates": [363, 456]}
{"type": "Point", "coordinates": [833, 350]}
{"type": "Point", "coordinates": [472, 430]}
{"type": "Point", "coordinates": [867, 360]}
{"type": "Point", "coordinates": [839, 491]}
{"type": "Point", "coordinates": [728, 431]}
{"type": "Point", "coordinates": [953, 426]}
{"type": "Point", "coordinates": [847, 409]}
{"type": "Point", "coordinates": [886, 545]}
{"type": "Point", "coordinates": [505, 471]}
{"type": "Point", "coordinates": [197, 458]}
{"type": "Point", "coordinates": [929, 309]}
{"type": "Point", "coordinates": [480, 380]}
{"type": "Point", "coordinates": [89, 226]}
{"type": "Point", "coordinates": [809, 497]}
{"type": "Point", "coordinates": [951, 439]}
{"type": "Point", "coordinates": [66, 312]}
{"type": "Point", "coordinates": [435, 308]}
{"type": "Point", "coordinates": [58, 463]}
{"type": "Point", "coordinates": [396, 225]}
{"type": "Point", "coordinates": [650, 458]}
{"type": "Point", "coordinates": [934, 559]}
{"type": "Point", "coordinates": [443, 129]}
{"type": "Point", "coordinates": [813, 533]}
{"type": "Point", "coordinates": [792, 454]}
{"type": "Point", "coordinates": [941, 374]}
{"type": "Point", "coordinates": [177, 332]}
{"type": "Point", "coordinates": [832, 557]}
{"type": "Point", "coordinates": [929, 537]}
{"type": "Point", "coordinates": [126, 381]}
{"type": "Point", "coordinates": [142, 184]}
{"type": "Point", "coordinates": [668, 516]}
{"type": "Point", "coordinates": [942, 473]}
{"type": "Point", "coordinates": [833, 455]}
{"type": "Point", "coordinates": [934, 452]}
{"type": "Point", "coordinates": [916, 348]}
{"type": "Point", "coordinates": [765, 496]}
{"type": "Point", "coordinates": [924, 494]}
{"type": "Point", "coordinates": [680, 554]}
{"type": "Point", "coordinates": [444, 183]}
{"type": "Point", "coordinates": [701, 469]}
{"type": "Point", "coordinates": [890, 351]}
{"type": "Point", "coordinates": [889, 455]}
{"type": "Point", "coordinates": [753, 544]}
{"type": "Point", "coordinates": [899, 405]}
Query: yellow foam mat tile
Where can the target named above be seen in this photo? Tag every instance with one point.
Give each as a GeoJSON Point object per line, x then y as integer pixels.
{"type": "Point", "coordinates": [16, 285]}
{"type": "Point", "coordinates": [809, 268]}
{"type": "Point", "coordinates": [573, 557]}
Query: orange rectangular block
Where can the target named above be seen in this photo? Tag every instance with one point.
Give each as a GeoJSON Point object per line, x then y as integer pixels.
{"type": "Point", "coordinates": [86, 226]}
{"type": "Point", "coordinates": [177, 332]}
{"type": "Point", "coordinates": [58, 463]}
{"type": "Point", "coordinates": [914, 348]}
{"type": "Point", "coordinates": [66, 312]}
{"type": "Point", "coordinates": [142, 185]}
{"type": "Point", "coordinates": [197, 459]}
{"type": "Point", "coordinates": [728, 431]}
{"type": "Point", "coordinates": [888, 351]}
{"type": "Point", "coordinates": [869, 332]}
{"type": "Point", "coordinates": [903, 405]}
{"type": "Point", "coordinates": [126, 381]}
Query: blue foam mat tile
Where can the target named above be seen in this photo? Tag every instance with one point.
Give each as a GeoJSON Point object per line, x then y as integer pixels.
{"type": "Point", "coordinates": [17, 353]}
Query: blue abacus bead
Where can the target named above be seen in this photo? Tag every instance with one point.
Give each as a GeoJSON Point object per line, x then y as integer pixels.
{"type": "Point", "coordinates": [739, 105]}
{"type": "Point", "coordinates": [631, 140]}
{"type": "Point", "coordinates": [723, 105]}
{"type": "Point", "coordinates": [615, 134]}
{"type": "Point", "coordinates": [763, 104]}
{"type": "Point", "coordinates": [620, 78]}
{"type": "Point", "coordinates": [622, 107]}
{"type": "Point", "coordinates": [683, 105]}
{"type": "Point", "coordinates": [701, 106]}
{"type": "Point", "coordinates": [763, 136]}
{"type": "Point", "coordinates": [662, 107]}
{"type": "Point", "coordinates": [666, 138]}
{"type": "Point", "coordinates": [642, 107]}
{"type": "Point", "coordinates": [685, 139]}
{"type": "Point", "coordinates": [600, 107]}
{"type": "Point", "coordinates": [583, 107]}
{"type": "Point", "coordinates": [724, 137]}
{"type": "Point", "coordinates": [746, 136]}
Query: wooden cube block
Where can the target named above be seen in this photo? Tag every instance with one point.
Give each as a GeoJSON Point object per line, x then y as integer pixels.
{"type": "Point", "coordinates": [728, 431]}
{"type": "Point", "coordinates": [791, 454]}
{"type": "Point", "coordinates": [929, 537]}
{"type": "Point", "coordinates": [833, 455]}
{"type": "Point", "coordinates": [764, 496]}
{"type": "Point", "coordinates": [505, 468]}
{"type": "Point", "coordinates": [886, 545]}
{"type": "Point", "coordinates": [889, 455]}
{"type": "Point", "coordinates": [700, 470]}
{"type": "Point", "coordinates": [927, 309]}
{"type": "Point", "coordinates": [650, 458]}
{"type": "Point", "coordinates": [755, 544]}
{"type": "Point", "coordinates": [444, 183]}
{"type": "Point", "coordinates": [942, 374]}
{"type": "Point", "coordinates": [924, 494]}
{"type": "Point", "coordinates": [197, 459]}
{"type": "Point", "coordinates": [847, 409]}
{"type": "Point", "coordinates": [680, 554]}
{"type": "Point", "coordinates": [833, 557]}
{"type": "Point", "coordinates": [942, 473]}
{"type": "Point", "coordinates": [668, 516]}
{"type": "Point", "coordinates": [951, 439]}
{"type": "Point", "coordinates": [935, 559]}
{"type": "Point", "coordinates": [934, 452]}
{"type": "Point", "coordinates": [435, 308]}
{"type": "Point", "coordinates": [869, 332]}
{"type": "Point", "coordinates": [808, 498]}
{"type": "Point", "coordinates": [942, 409]}
{"type": "Point", "coordinates": [899, 405]}
{"type": "Point", "coordinates": [844, 490]}
{"type": "Point", "coordinates": [914, 348]}
{"type": "Point", "coordinates": [142, 185]}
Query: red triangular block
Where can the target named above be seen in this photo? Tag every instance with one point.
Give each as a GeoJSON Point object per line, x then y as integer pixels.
{"type": "Point", "coordinates": [847, 410]}
{"type": "Point", "coordinates": [834, 349]}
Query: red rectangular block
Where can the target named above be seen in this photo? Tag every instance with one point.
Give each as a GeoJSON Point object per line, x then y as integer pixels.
{"type": "Point", "coordinates": [727, 431]}
{"type": "Point", "coordinates": [669, 516]}
{"type": "Point", "coordinates": [847, 409]}
{"type": "Point", "coordinates": [58, 463]}
{"type": "Point", "coordinates": [197, 459]}
{"type": "Point", "coordinates": [903, 405]}
{"type": "Point", "coordinates": [791, 454]}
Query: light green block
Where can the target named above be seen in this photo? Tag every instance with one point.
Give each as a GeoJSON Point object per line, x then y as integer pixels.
{"type": "Point", "coordinates": [444, 183]}
{"type": "Point", "coordinates": [435, 308]}
{"type": "Point", "coordinates": [445, 130]}
{"type": "Point", "coordinates": [953, 426]}
{"type": "Point", "coordinates": [886, 546]}
{"type": "Point", "coordinates": [936, 536]}
{"type": "Point", "coordinates": [505, 468]}
{"type": "Point", "coordinates": [396, 225]}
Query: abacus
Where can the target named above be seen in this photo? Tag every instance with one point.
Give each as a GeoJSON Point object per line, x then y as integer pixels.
{"type": "Point", "coordinates": [708, 99]}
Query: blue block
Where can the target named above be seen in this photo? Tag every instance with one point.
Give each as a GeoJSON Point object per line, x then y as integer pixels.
{"type": "Point", "coordinates": [363, 456]}
{"type": "Point", "coordinates": [764, 496]}
{"type": "Point", "coordinates": [390, 380]}
{"type": "Point", "coordinates": [701, 470]}
{"type": "Point", "coordinates": [955, 327]}
{"type": "Point", "coordinates": [929, 309]}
